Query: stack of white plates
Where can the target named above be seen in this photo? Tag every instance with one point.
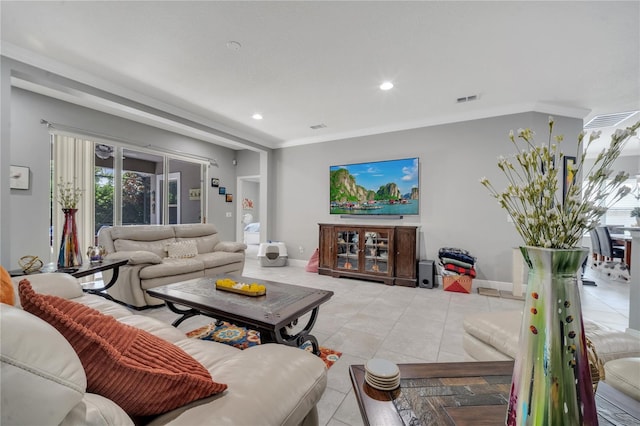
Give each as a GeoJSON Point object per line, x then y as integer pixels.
{"type": "Point", "coordinates": [382, 374]}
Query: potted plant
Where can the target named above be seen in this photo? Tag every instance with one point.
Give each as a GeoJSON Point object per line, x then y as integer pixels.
{"type": "Point", "coordinates": [636, 213]}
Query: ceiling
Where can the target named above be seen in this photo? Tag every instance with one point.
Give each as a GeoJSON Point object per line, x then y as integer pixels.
{"type": "Point", "coordinates": [302, 64]}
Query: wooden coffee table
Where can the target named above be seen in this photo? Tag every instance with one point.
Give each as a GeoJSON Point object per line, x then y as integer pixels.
{"type": "Point", "coordinates": [463, 393]}
{"type": "Point", "coordinates": [269, 314]}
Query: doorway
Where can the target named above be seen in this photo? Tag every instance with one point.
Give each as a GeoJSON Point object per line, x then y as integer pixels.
{"type": "Point", "coordinates": [248, 210]}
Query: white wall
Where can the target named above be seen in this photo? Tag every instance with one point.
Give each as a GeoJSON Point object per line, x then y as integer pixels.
{"type": "Point", "coordinates": [455, 209]}
{"type": "Point", "coordinates": [25, 217]}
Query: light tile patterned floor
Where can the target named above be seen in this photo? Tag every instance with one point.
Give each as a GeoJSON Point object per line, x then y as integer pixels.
{"type": "Point", "coordinates": [365, 320]}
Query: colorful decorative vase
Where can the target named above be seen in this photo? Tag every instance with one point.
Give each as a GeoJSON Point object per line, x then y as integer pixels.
{"type": "Point", "coordinates": [69, 255]}
{"type": "Point", "coordinates": [551, 382]}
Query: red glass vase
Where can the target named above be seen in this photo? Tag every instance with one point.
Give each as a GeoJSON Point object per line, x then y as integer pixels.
{"type": "Point", "coordinates": [69, 255]}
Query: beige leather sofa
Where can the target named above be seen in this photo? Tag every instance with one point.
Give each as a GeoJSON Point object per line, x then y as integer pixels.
{"type": "Point", "coordinates": [494, 336]}
{"type": "Point", "coordinates": [166, 254]}
{"type": "Point", "coordinates": [43, 381]}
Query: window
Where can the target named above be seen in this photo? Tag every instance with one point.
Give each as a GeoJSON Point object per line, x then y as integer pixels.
{"type": "Point", "coordinates": [122, 186]}
{"type": "Point", "coordinates": [620, 213]}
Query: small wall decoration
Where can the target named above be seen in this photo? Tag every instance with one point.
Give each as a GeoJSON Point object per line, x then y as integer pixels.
{"type": "Point", "coordinates": [19, 177]}
{"type": "Point", "coordinates": [215, 182]}
{"type": "Point", "coordinates": [229, 198]}
{"type": "Point", "coordinates": [222, 190]}
{"type": "Point", "coordinates": [194, 193]}
{"type": "Point", "coordinates": [569, 174]}
{"type": "Point", "coordinates": [247, 204]}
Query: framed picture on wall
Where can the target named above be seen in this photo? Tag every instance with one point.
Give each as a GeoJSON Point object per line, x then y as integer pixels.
{"type": "Point", "coordinates": [215, 182]}
{"type": "Point", "coordinates": [569, 175]}
{"type": "Point", "coordinates": [18, 177]}
{"type": "Point", "coordinates": [222, 190]}
{"type": "Point", "coordinates": [229, 198]}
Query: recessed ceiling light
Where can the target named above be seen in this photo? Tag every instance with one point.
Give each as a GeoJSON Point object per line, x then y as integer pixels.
{"type": "Point", "coordinates": [257, 116]}
{"type": "Point", "coordinates": [387, 85]}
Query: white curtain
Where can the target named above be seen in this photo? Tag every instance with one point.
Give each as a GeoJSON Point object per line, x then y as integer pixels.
{"type": "Point", "coordinates": [73, 161]}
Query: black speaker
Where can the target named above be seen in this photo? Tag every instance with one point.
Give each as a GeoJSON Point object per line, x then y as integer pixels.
{"type": "Point", "coordinates": [426, 273]}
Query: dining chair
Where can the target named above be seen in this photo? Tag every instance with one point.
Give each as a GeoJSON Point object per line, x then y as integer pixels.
{"type": "Point", "coordinates": [607, 249]}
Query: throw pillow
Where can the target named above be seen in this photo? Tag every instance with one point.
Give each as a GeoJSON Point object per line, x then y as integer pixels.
{"type": "Point", "coordinates": [182, 249]}
{"type": "Point", "coordinates": [6, 289]}
{"type": "Point", "coordinates": [140, 372]}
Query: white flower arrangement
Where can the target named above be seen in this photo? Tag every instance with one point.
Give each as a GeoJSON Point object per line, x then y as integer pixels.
{"type": "Point", "coordinates": [68, 195]}
{"type": "Point", "coordinates": [531, 198]}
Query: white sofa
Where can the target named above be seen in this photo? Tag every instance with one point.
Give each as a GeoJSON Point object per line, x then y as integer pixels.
{"type": "Point", "coordinates": [198, 252]}
{"type": "Point", "coordinates": [43, 381]}
{"type": "Point", "coordinates": [494, 336]}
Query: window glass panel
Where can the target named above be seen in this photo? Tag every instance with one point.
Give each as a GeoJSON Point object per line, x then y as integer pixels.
{"type": "Point", "coordinates": [103, 183]}
{"type": "Point", "coordinates": [620, 213]}
{"type": "Point", "coordinates": [140, 202]}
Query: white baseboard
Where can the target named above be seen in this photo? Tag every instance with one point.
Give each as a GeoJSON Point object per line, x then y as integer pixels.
{"type": "Point", "coordinates": [498, 285]}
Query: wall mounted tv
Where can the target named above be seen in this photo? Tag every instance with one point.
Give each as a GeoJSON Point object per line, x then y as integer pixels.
{"type": "Point", "coordinates": [388, 187]}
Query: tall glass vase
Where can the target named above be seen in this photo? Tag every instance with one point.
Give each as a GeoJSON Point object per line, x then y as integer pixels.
{"type": "Point", "coordinates": [69, 254]}
{"type": "Point", "coordinates": [551, 382]}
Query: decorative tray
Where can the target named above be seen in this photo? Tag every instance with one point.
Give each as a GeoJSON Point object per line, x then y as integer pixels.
{"type": "Point", "coordinates": [252, 290]}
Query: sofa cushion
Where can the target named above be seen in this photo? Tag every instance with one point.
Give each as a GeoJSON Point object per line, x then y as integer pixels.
{"type": "Point", "coordinates": [219, 258]}
{"type": "Point", "coordinates": [42, 377]}
{"type": "Point", "coordinates": [142, 232]}
{"type": "Point", "coordinates": [182, 249]}
{"type": "Point", "coordinates": [230, 246]}
{"type": "Point", "coordinates": [140, 372]}
{"type": "Point", "coordinates": [136, 257]}
{"type": "Point", "coordinates": [171, 267]}
{"type": "Point", "coordinates": [61, 285]}
{"type": "Point", "coordinates": [500, 329]}
{"type": "Point", "coordinates": [158, 247]}
{"type": "Point", "coordinates": [624, 375]}
{"type": "Point", "coordinates": [205, 244]}
{"type": "Point", "coordinates": [193, 230]}
{"type": "Point", "coordinates": [282, 398]}
{"type": "Point", "coordinates": [96, 410]}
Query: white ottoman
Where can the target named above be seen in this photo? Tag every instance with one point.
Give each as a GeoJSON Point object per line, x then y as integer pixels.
{"type": "Point", "coordinates": [624, 375]}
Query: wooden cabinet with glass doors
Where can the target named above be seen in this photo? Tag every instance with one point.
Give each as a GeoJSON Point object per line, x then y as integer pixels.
{"type": "Point", "coordinates": [377, 253]}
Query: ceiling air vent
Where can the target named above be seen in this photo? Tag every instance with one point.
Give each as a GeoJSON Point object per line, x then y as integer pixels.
{"type": "Point", "coordinates": [608, 120]}
{"type": "Point", "coordinates": [318, 126]}
{"type": "Point", "coordinates": [467, 99]}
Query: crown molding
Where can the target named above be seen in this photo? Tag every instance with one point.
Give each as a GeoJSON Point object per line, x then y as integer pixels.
{"type": "Point", "coordinates": [540, 107]}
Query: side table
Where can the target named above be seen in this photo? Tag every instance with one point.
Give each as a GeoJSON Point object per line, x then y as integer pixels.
{"type": "Point", "coordinates": [83, 271]}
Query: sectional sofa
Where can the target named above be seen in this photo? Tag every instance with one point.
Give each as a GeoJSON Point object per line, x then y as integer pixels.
{"type": "Point", "coordinates": [93, 362]}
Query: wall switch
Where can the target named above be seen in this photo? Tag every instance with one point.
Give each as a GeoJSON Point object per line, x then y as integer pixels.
{"type": "Point", "coordinates": [229, 214]}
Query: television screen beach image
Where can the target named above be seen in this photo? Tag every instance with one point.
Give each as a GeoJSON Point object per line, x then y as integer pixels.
{"type": "Point", "coordinates": [388, 187]}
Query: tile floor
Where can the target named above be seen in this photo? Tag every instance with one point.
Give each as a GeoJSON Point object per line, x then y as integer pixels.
{"type": "Point", "coordinates": [364, 320]}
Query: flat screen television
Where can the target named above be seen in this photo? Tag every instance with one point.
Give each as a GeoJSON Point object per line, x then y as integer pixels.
{"type": "Point", "coordinates": [389, 187]}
